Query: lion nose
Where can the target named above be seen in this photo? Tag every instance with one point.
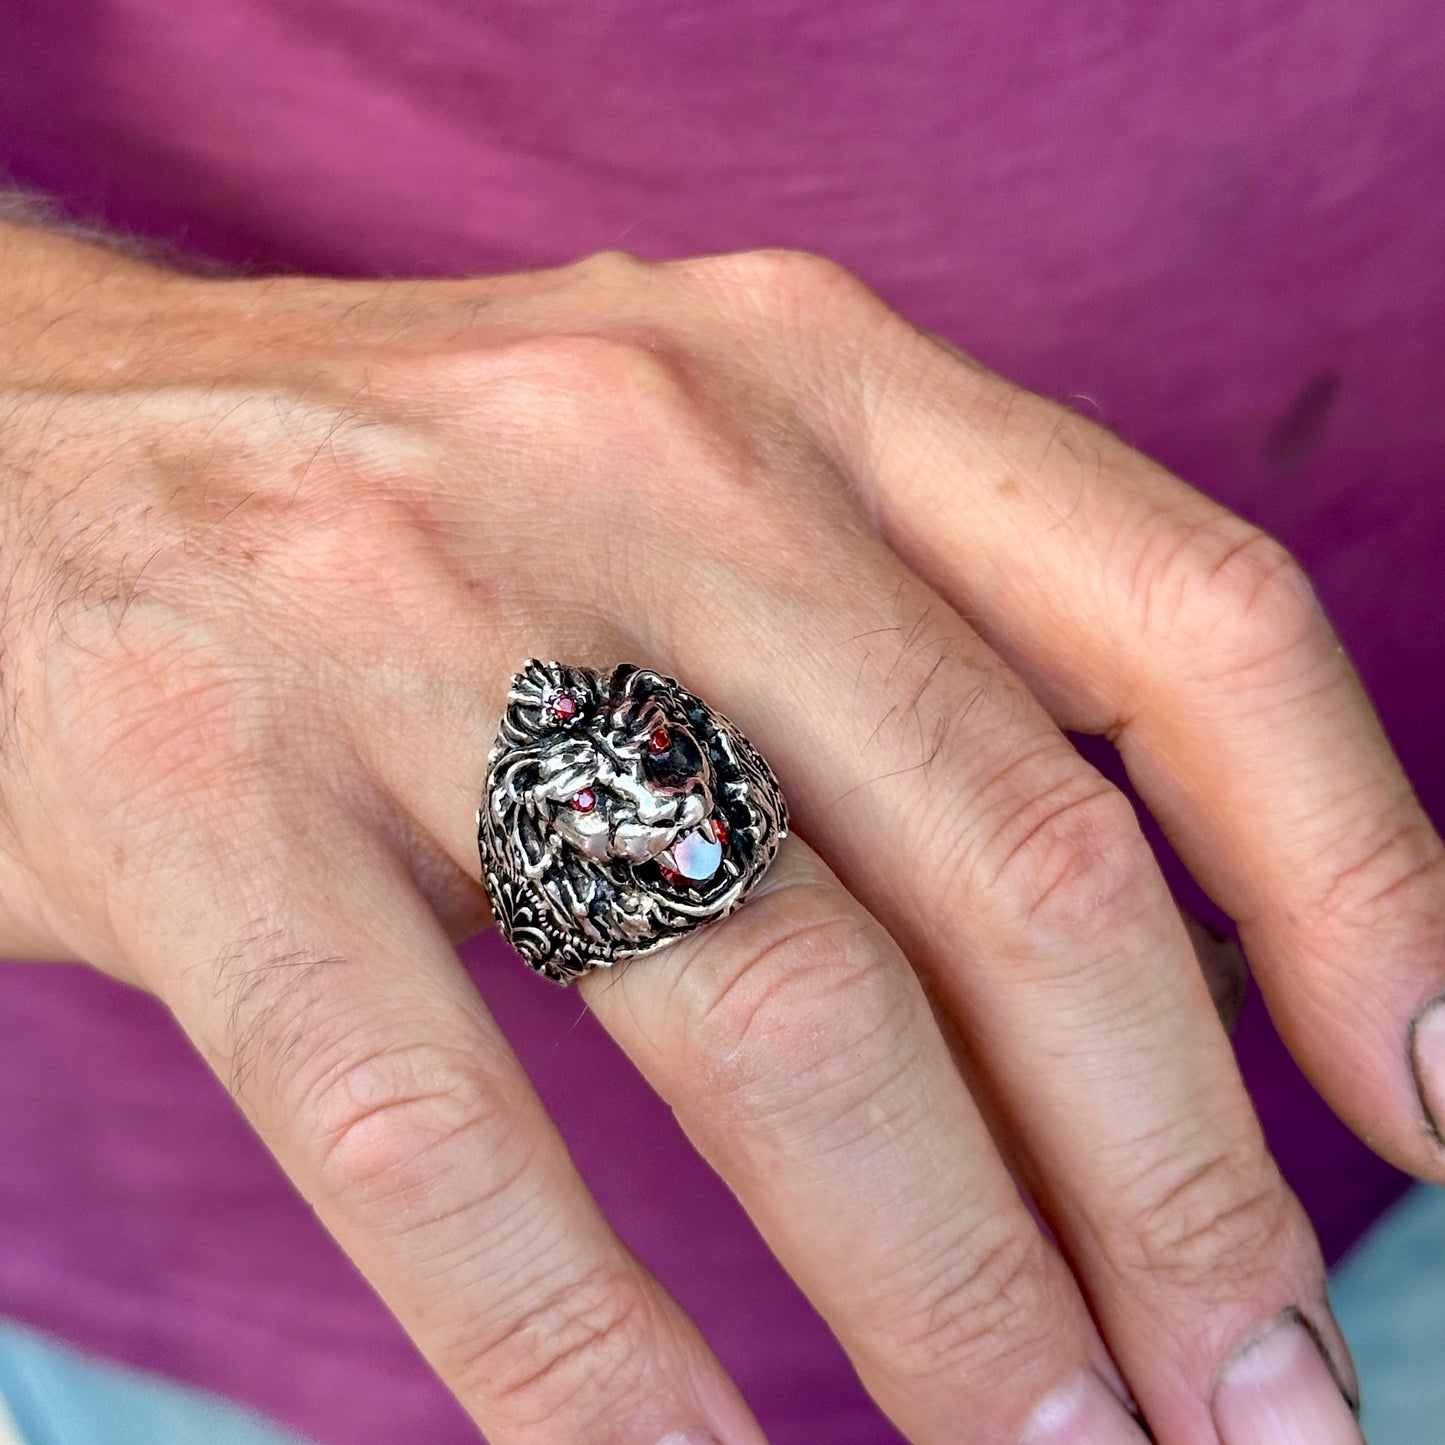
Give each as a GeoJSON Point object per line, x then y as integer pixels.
{"type": "Point", "coordinates": [636, 842]}
{"type": "Point", "coordinates": [650, 807]}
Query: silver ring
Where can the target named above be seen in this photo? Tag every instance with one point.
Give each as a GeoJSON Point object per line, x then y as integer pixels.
{"type": "Point", "coordinates": [620, 813]}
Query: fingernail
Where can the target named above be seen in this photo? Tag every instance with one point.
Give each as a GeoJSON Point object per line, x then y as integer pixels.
{"type": "Point", "coordinates": [1338, 1358]}
{"type": "Point", "coordinates": [1083, 1412]}
{"type": "Point", "coordinates": [1278, 1390]}
{"type": "Point", "coordinates": [687, 1437]}
{"type": "Point", "coordinates": [1427, 1056]}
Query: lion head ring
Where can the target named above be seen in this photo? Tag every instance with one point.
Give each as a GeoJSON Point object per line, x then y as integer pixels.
{"type": "Point", "coordinates": [621, 812]}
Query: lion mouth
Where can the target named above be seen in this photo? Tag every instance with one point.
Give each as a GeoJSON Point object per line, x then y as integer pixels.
{"type": "Point", "coordinates": [696, 856]}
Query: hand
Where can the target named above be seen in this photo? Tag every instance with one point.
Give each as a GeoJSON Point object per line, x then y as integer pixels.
{"type": "Point", "coordinates": [275, 548]}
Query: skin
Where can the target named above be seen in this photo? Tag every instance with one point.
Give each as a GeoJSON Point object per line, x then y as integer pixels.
{"type": "Point", "coordinates": [273, 548]}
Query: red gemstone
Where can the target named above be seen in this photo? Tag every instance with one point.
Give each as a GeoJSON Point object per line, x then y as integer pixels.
{"type": "Point", "coordinates": [660, 741]}
{"type": "Point", "coordinates": [670, 876]}
{"type": "Point", "coordinates": [584, 801]}
{"type": "Point", "coordinates": [564, 705]}
{"type": "Point", "coordinates": [720, 832]}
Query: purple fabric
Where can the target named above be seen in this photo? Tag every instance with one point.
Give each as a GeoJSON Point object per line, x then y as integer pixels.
{"type": "Point", "coordinates": [1220, 225]}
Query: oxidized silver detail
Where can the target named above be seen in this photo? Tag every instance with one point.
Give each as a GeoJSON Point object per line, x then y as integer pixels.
{"type": "Point", "coordinates": [621, 812]}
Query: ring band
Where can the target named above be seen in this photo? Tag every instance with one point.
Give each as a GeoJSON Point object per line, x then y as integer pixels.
{"type": "Point", "coordinates": [620, 813]}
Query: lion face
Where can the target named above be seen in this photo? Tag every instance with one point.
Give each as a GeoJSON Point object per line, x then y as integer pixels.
{"type": "Point", "coordinates": [632, 793]}
{"type": "Point", "coordinates": [622, 812]}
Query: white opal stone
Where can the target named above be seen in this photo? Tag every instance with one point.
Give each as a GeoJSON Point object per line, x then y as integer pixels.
{"type": "Point", "coordinates": [697, 855]}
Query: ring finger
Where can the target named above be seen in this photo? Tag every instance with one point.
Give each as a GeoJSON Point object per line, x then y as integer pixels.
{"type": "Point", "coordinates": [799, 1050]}
{"type": "Point", "coordinates": [800, 1054]}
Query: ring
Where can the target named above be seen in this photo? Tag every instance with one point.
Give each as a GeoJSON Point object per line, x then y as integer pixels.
{"type": "Point", "coordinates": [620, 813]}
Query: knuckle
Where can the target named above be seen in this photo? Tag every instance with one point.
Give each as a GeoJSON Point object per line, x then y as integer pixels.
{"type": "Point", "coordinates": [795, 285]}
{"type": "Point", "coordinates": [617, 368]}
{"type": "Point", "coordinates": [1234, 591]}
{"type": "Point", "coordinates": [789, 271]}
{"type": "Point", "coordinates": [590, 370]}
{"type": "Point", "coordinates": [800, 1002]}
{"type": "Point", "coordinates": [984, 1305]}
{"type": "Point", "coordinates": [1393, 892]}
{"type": "Point", "coordinates": [576, 388]}
{"type": "Point", "coordinates": [1070, 859]}
{"type": "Point", "coordinates": [388, 1122]}
{"type": "Point", "coordinates": [1208, 1224]}
{"type": "Point", "coordinates": [613, 265]}
{"type": "Point", "coordinates": [579, 1341]}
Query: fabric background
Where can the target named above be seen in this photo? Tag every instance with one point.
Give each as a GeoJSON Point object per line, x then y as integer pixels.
{"type": "Point", "coordinates": [1219, 226]}
{"type": "Point", "coordinates": [1391, 1308]}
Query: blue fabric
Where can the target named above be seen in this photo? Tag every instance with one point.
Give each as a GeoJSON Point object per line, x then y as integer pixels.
{"type": "Point", "coordinates": [1389, 1295]}
{"type": "Point", "coordinates": [61, 1397]}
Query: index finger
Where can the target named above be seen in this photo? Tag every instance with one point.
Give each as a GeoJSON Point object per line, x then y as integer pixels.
{"type": "Point", "coordinates": [323, 991]}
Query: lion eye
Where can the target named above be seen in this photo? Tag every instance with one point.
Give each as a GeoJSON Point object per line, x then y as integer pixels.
{"type": "Point", "coordinates": [584, 801]}
{"type": "Point", "coordinates": [660, 741]}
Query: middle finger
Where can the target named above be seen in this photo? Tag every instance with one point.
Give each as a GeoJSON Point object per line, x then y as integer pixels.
{"type": "Point", "coordinates": [1018, 880]}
